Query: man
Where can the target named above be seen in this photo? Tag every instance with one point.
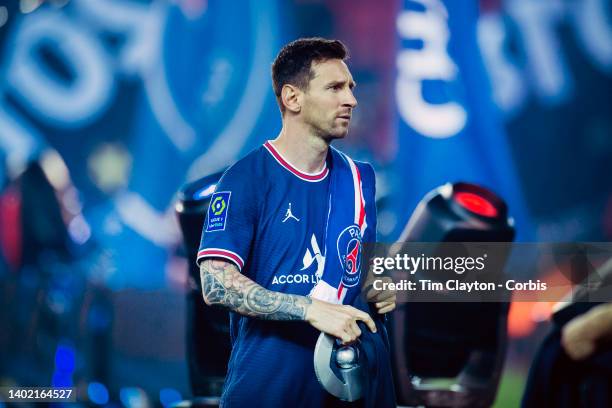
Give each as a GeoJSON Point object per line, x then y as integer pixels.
{"type": "Point", "coordinates": [573, 366]}
{"type": "Point", "coordinates": [283, 236]}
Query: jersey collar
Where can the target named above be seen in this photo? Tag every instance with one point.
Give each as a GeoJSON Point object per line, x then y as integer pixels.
{"type": "Point", "coordinates": [312, 177]}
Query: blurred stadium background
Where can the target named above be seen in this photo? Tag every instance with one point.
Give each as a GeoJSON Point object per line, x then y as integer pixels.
{"type": "Point", "coordinates": [108, 107]}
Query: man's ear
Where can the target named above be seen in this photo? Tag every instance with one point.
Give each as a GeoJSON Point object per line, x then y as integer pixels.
{"type": "Point", "coordinates": [292, 98]}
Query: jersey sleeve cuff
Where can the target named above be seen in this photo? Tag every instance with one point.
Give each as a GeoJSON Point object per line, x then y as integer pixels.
{"type": "Point", "coordinates": [221, 253]}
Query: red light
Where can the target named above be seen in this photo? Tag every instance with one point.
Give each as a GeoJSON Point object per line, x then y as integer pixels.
{"type": "Point", "coordinates": [476, 204]}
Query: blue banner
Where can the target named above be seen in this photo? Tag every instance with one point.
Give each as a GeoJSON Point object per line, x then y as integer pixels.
{"type": "Point", "coordinates": [449, 129]}
{"type": "Point", "coordinates": [138, 98]}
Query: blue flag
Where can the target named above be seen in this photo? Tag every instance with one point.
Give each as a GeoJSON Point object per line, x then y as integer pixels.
{"type": "Point", "coordinates": [138, 98]}
{"type": "Point", "coordinates": [449, 129]}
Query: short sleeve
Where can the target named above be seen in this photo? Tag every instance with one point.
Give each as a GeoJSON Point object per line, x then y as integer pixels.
{"type": "Point", "coordinates": [230, 222]}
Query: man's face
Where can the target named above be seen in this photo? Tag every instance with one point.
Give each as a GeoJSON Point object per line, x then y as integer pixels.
{"type": "Point", "coordinates": [328, 103]}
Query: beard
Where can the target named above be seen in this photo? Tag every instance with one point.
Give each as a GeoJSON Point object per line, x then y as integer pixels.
{"type": "Point", "coordinates": [322, 124]}
{"type": "Point", "coordinates": [328, 130]}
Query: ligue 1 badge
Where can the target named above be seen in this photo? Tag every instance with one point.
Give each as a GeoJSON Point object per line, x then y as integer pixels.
{"type": "Point", "coordinates": [349, 254]}
{"type": "Point", "coordinates": [217, 211]}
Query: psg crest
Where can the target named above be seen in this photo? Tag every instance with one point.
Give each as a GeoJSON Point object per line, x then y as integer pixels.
{"type": "Point", "coordinates": [349, 254]}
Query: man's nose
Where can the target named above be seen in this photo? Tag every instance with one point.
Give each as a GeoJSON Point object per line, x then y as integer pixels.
{"type": "Point", "coordinates": [350, 99]}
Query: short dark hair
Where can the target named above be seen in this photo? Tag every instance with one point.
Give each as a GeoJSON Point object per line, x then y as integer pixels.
{"type": "Point", "coordinates": [293, 64]}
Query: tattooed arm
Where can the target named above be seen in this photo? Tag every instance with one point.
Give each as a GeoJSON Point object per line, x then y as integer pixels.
{"type": "Point", "coordinates": [223, 284]}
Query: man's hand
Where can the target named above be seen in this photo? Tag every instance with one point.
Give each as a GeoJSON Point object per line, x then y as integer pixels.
{"type": "Point", "coordinates": [338, 320]}
{"type": "Point", "coordinates": [582, 334]}
{"type": "Point", "coordinates": [384, 299]}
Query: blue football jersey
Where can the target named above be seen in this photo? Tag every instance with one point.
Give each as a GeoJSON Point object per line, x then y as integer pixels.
{"type": "Point", "coordinates": [269, 219]}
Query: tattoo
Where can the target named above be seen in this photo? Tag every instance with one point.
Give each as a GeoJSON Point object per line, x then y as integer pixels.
{"type": "Point", "coordinates": [223, 284]}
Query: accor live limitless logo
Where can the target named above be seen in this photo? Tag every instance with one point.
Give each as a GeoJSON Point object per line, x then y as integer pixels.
{"type": "Point", "coordinates": [313, 264]}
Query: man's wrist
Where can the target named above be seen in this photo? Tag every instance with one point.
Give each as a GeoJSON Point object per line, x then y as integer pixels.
{"type": "Point", "coordinates": [309, 308]}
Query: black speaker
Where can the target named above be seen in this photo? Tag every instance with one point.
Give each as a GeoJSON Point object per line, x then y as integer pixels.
{"type": "Point", "coordinates": [451, 354]}
{"type": "Point", "coordinates": [208, 342]}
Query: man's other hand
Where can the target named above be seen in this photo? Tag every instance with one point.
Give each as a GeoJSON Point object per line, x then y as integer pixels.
{"type": "Point", "coordinates": [582, 335]}
{"type": "Point", "coordinates": [384, 300]}
{"type": "Point", "coordinates": [339, 321]}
